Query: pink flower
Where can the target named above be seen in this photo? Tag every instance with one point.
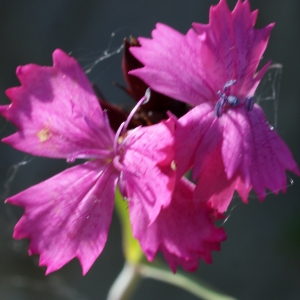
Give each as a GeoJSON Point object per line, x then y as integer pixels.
{"type": "Point", "coordinates": [68, 215]}
{"type": "Point", "coordinates": [226, 137]}
{"type": "Point", "coordinates": [59, 116]}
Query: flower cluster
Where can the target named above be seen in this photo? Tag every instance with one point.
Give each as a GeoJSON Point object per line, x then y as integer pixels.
{"type": "Point", "coordinates": [215, 129]}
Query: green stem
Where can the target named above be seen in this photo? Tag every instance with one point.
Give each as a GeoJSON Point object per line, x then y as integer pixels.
{"type": "Point", "coordinates": [127, 281]}
{"type": "Point", "coordinates": [131, 246]}
{"type": "Point", "coordinates": [125, 284]}
{"type": "Point", "coordinates": [189, 284]}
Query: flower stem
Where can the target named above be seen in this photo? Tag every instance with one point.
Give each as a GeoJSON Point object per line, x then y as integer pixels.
{"type": "Point", "coordinates": [131, 247]}
{"type": "Point", "coordinates": [197, 288]}
{"type": "Point", "coordinates": [127, 281]}
{"type": "Point", "coordinates": [125, 284]}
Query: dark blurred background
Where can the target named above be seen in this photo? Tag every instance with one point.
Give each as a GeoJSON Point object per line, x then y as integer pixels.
{"type": "Point", "coordinates": [261, 258]}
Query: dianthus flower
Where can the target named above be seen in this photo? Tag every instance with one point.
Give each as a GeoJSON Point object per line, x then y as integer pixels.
{"type": "Point", "coordinates": [225, 137]}
{"type": "Point", "coordinates": [58, 115]}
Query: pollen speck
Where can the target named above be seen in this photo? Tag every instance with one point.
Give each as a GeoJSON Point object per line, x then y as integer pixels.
{"type": "Point", "coordinates": [173, 165]}
{"type": "Point", "coordinates": [44, 135]}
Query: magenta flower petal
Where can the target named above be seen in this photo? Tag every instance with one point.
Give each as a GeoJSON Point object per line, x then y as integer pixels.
{"type": "Point", "coordinates": [213, 187]}
{"type": "Point", "coordinates": [68, 215]}
{"type": "Point", "coordinates": [232, 48]}
{"type": "Point", "coordinates": [194, 68]}
{"type": "Point", "coordinates": [168, 69]}
{"type": "Point", "coordinates": [56, 111]}
{"type": "Point", "coordinates": [184, 231]}
{"type": "Point", "coordinates": [248, 154]}
{"type": "Point", "coordinates": [190, 133]}
{"type": "Point", "coordinates": [251, 148]}
{"type": "Point", "coordinates": [150, 155]}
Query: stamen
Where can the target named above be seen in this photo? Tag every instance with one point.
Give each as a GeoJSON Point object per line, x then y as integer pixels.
{"type": "Point", "coordinates": [125, 124]}
{"type": "Point", "coordinates": [144, 100]}
{"type": "Point", "coordinates": [90, 154]}
{"type": "Point", "coordinates": [229, 84]}
{"type": "Point", "coordinates": [233, 101]}
{"type": "Point", "coordinates": [116, 140]}
{"type": "Point", "coordinates": [118, 165]}
{"type": "Point", "coordinates": [218, 110]}
{"type": "Point", "coordinates": [226, 100]}
{"type": "Point", "coordinates": [128, 137]}
{"type": "Point", "coordinates": [249, 103]}
{"type": "Point", "coordinates": [122, 185]}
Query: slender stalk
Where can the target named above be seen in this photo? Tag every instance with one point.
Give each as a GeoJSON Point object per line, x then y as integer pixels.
{"type": "Point", "coordinates": [125, 284]}
{"type": "Point", "coordinates": [131, 247]}
{"type": "Point", "coordinates": [127, 281]}
{"type": "Point", "coordinates": [189, 284]}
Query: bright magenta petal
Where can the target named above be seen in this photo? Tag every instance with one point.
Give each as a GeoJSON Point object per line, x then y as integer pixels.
{"type": "Point", "coordinates": [232, 47]}
{"type": "Point", "coordinates": [172, 65]}
{"type": "Point", "coordinates": [238, 152]}
{"type": "Point", "coordinates": [213, 187]}
{"type": "Point", "coordinates": [198, 142]}
{"type": "Point", "coordinates": [56, 111]}
{"type": "Point", "coordinates": [253, 149]}
{"type": "Point", "coordinates": [149, 176]}
{"type": "Point", "coordinates": [194, 67]}
{"type": "Point", "coordinates": [190, 137]}
{"type": "Point", "coordinates": [68, 215]}
{"type": "Point", "coordinates": [184, 231]}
